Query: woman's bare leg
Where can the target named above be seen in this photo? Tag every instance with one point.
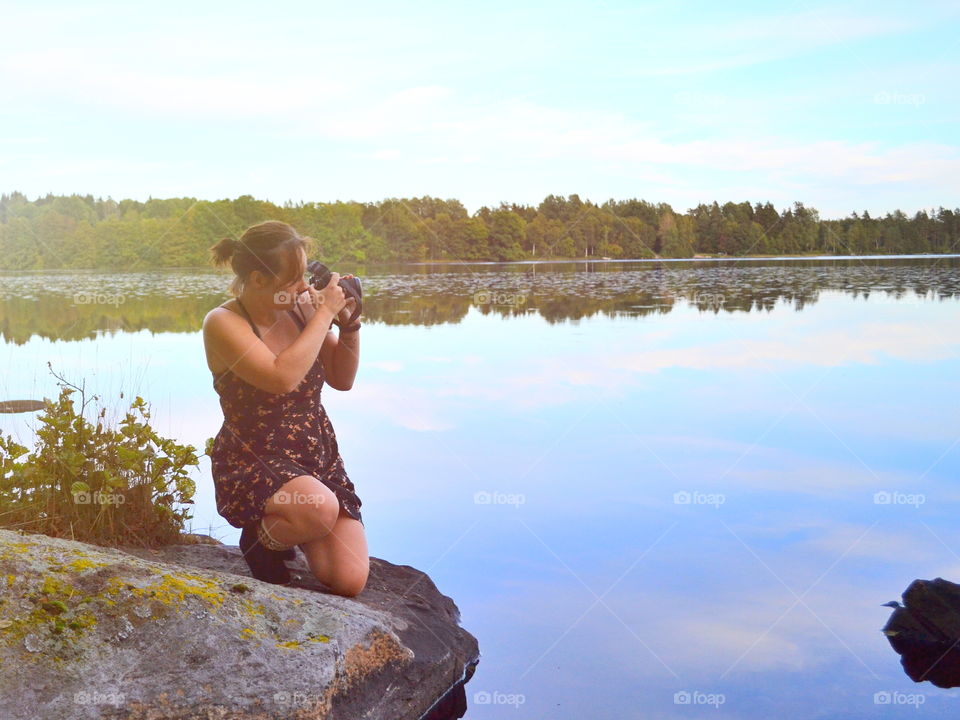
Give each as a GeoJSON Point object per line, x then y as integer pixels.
{"type": "Point", "coordinates": [303, 509]}
{"type": "Point", "coordinates": [340, 558]}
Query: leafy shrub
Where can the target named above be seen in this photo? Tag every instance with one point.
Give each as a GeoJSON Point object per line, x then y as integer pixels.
{"type": "Point", "coordinates": [108, 486]}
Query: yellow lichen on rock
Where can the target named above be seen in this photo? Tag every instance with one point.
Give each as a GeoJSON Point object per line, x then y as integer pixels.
{"type": "Point", "coordinates": [82, 563]}
{"type": "Point", "coordinates": [173, 588]}
{"type": "Point", "coordinates": [252, 609]}
{"type": "Point", "coordinates": [298, 644]}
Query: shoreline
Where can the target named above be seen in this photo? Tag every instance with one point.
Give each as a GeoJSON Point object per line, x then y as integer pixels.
{"type": "Point", "coordinates": [811, 256]}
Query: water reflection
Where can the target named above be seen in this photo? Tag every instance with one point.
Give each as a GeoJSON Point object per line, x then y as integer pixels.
{"type": "Point", "coordinates": [645, 512]}
{"type": "Point", "coordinates": [74, 305]}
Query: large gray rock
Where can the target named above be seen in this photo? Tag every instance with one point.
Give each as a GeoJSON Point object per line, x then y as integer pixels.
{"type": "Point", "coordinates": [184, 632]}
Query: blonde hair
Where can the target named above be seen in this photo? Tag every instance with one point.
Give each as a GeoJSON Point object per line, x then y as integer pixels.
{"type": "Point", "coordinates": [270, 247]}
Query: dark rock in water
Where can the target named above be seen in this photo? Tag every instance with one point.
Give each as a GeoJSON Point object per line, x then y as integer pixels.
{"type": "Point", "coordinates": [925, 631]}
{"type": "Point", "coordinates": [184, 632]}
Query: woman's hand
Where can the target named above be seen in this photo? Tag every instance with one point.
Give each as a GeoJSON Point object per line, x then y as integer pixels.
{"type": "Point", "coordinates": [344, 315]}
{"type": "Point", "coordinates": [330, 298]}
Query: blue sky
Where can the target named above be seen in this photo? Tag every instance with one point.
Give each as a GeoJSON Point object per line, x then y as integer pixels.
{"type": "Point", "coordinates": [843, 105]}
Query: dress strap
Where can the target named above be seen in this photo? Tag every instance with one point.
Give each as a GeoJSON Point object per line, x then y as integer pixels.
{"type": "Point", "coordinates": [298, 317]}
{"type": "Point", "coordinates": [249, 320]}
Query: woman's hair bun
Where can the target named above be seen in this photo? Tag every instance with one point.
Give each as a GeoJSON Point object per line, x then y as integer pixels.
{"type": "Point", "coordinates": [223, 251]}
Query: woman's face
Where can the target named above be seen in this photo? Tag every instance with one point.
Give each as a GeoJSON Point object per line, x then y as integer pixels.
{"type": "Point", "coordinates": [285, 295]}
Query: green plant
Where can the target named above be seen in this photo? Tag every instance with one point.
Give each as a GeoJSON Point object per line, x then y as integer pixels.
{"type": "Point", "coordinates": [105, 485]}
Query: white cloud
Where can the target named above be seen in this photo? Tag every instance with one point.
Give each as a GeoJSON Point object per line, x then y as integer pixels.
{"type": "Point", "coordinates": [913, 547]}
{"type": "Point", "coordinates": [730, 629]}
{"type": "Point", "coordinates": [404, 406]}
{"type": "Point", "coordinates": [95, 78]}
{"type": "Point", "coordinates": [826, 349]}
{"type": "Point", "coordinates": [834, 349]}
{"type": "Point", "coordinates": [456, 126]}
{"type": "Point", "coordinates": [444, 120]}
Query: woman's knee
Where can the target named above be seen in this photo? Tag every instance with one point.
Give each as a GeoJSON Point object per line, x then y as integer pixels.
{"type": "Point", "coordinates": [344, 571]}
{"type": "Point", "coordinates": [348, 581]}
{"type": "Point", "coordinates": [307, 504]}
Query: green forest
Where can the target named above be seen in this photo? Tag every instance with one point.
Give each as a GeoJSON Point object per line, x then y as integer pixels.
{"type": "Point", "coordinates": [75, 231]}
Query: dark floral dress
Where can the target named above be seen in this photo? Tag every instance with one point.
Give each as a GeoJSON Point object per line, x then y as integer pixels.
{"type": "Point", "coordinates": [267, 439]}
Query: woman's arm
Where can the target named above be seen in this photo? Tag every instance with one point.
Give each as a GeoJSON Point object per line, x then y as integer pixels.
{"type": "Point", "coordinates": [341, 358]}
{"type": "Point", "coordinates": [230, 338]}
{"type": "Point", "coordinates": [341, 354]}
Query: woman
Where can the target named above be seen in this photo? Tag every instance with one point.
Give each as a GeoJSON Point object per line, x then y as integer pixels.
{"type": "Point", "coordinates": [276, 467]}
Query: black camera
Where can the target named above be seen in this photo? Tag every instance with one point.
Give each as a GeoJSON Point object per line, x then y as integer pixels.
{"type": "Point", "coordinates": [320, 278]}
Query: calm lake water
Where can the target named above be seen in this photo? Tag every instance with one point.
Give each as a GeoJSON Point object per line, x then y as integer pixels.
{"type": "Point", "coordinates": [654, 489]}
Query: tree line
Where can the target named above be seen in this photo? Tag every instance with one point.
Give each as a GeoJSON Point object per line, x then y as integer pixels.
{"type": "Point", "coordinates": [59, 231]}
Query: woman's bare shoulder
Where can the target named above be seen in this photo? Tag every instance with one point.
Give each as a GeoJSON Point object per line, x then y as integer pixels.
{"type": "Point", "coordinates": [230, 306]}
{"type": "Point", "coordinates": [222, 314]}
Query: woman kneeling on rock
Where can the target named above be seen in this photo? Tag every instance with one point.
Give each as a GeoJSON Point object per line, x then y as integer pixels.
{"type": "Point", "coordinates": [276, 467]}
